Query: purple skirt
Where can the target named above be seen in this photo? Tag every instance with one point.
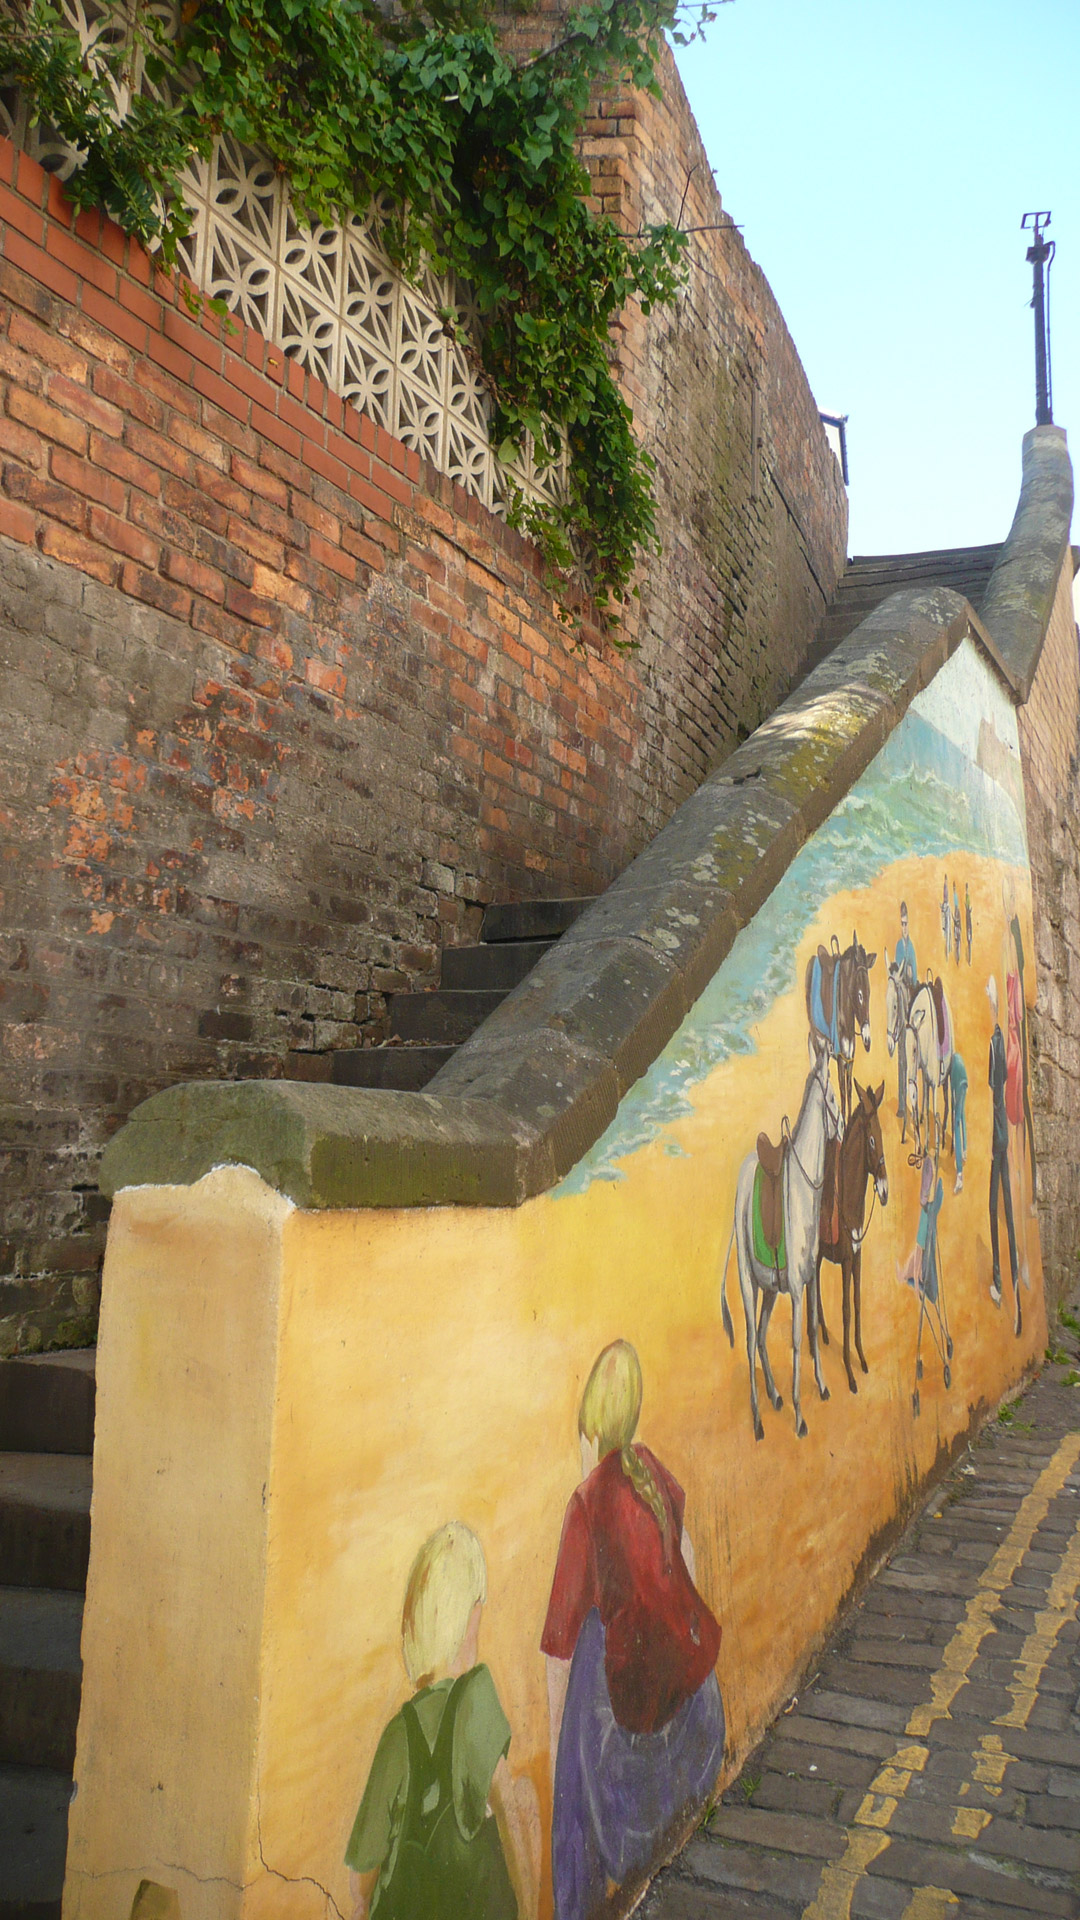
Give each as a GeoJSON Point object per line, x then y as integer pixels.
{"type": "Point", "coordinates": [618, 1795]}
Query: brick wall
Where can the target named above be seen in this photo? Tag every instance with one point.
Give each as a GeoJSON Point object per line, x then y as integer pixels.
{"type": "Point", "coordinates": [692, 375]}
{"type": "Point", "coordinates": [1050, 748]}
{"type": "Point", "coordinates": [287, 707]}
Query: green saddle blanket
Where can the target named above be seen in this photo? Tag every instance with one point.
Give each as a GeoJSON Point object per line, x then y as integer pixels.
{"type": "Point", "coordinates": [764, 1254]}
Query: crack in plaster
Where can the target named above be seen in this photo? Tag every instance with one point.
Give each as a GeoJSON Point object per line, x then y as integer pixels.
{"type": "Point", "coordinates": [290, 1880]}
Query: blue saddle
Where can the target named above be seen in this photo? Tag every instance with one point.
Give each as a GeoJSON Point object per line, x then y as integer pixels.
{"type": "Point", "coordinates": [826, 1027]}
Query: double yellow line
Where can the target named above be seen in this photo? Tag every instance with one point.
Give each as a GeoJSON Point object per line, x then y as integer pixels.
{"type": "Point", "coordinates": [868, 1835]}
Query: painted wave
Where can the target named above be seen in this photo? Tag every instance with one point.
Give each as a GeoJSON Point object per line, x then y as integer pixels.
{"type": "Point", "coordinates": [921, 795]}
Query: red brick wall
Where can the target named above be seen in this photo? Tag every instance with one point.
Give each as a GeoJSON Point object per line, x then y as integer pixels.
{"type": "Point", "coordinates": [286, 707]}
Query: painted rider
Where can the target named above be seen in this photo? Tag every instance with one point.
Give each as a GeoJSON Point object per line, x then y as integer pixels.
{"type": "Point", "coordinates": [908, 972]}
{"type": "Point", "coordinates": [999, 1157]}
{"type": "Point", "coordinates": [958, 1086]}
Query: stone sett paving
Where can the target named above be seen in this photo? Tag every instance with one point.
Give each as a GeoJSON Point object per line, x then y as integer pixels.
{"type": "Point", "coordinates": [932, 1766]}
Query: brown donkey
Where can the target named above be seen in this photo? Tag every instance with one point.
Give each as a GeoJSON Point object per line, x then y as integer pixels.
{"type": "Point", "coordinates": [849, 1164]}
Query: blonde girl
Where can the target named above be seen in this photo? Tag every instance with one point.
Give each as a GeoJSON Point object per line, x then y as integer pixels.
{"type": "Point", "coordinates": [637, 1724]}
{"type": "Point", "coordinates": [444, 1831]}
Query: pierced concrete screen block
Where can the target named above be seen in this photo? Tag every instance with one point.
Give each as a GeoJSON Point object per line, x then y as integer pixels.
{"type": "Point", "coordinates": [329, 297]}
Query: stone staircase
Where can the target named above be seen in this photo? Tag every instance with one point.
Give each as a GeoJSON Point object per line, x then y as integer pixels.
{"type": "Point", "coordinates": [869, 579]}
{"type": "Point", "coordinates": [46, 1440]}
{"type": "Point", "coordinates": [426, 1027]}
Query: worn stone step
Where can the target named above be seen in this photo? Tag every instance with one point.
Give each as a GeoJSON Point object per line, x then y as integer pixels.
{"type": "Point", "coordinates": [44, 1519]}
{"type": "Point", "coordinates": [440, 1018]}
{"type": "Point", "coordinates": [47, 1403]}
{"type": "Point", "coordinates": [34, 1805]}
{"type": "Point", "coordinates": [499, 966]}
{"type": "Point", "coordinates": [723, 1865]}
{"type": "Point", "coordinates": [391, 1069]}
{"type": "Point", "coordinates": [531, 919]}
{"type": "Point", "coordinates": [40, 1676]}
{"type": "Point", "coordinates": [794, 1833]}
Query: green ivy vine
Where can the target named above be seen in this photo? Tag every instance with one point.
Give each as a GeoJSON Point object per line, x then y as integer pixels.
{"type": "Point", "coordinates": [477, 157]}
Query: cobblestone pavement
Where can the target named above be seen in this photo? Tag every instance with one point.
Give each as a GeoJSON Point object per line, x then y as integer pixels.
{"type": "Point", "coordinates": [931, 1769]}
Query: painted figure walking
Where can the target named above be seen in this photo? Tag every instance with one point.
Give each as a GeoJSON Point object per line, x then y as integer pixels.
{"type": "Point", "coordinates": [999, 1159]}
{"type": "Point", "coordinates": [444, 1830]}
{"type": "Point", "coordinates": [636, 1720]}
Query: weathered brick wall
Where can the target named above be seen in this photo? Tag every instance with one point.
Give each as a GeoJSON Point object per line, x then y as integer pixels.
{"type": "Point", "coordinates": [744, 477]}
{"type": "Point", "coordinates": [287, 708]}
{"type": "Point", "coordinates": [1050, 747]}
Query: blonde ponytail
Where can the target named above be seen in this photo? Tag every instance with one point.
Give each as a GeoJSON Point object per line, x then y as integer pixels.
{"type": "Point", "coordinates": [610, 1407]}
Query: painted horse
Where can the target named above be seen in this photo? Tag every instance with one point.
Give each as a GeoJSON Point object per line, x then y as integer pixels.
{"type": "Point", "coordinates": [781, 1256]}
{"type": "Point", "coordinates": [838, 1007]}
{"type": "Point", "coordinates": [929, 1058]}
{"type": "Point", "coordinates": [849, 1164]}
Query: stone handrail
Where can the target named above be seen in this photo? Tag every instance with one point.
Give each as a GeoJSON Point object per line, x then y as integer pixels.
{"type": "Point", "coordinates": [539, 1082]}
{"type": "Point", "coordinates": [1020, 594]}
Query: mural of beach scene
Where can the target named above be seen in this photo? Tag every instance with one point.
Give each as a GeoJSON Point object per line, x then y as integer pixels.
{"type": "Point", "coordinates": [538, 1568]}
{"type": "Point", "coordinates": [853, 1026]}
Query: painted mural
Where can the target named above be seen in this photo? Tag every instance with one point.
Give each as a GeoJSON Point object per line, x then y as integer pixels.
{"type": "Point", "coordinates": [562, 1498]}
{"type": "Point", "coordinates": [841, 967]}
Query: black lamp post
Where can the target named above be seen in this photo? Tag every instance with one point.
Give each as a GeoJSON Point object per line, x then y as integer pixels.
{"type": "Point", "coordinates": [1040, 254]}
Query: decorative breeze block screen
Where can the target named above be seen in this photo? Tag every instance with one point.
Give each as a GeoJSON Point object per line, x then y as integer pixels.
{"type": "Point", "coordinates": [329, 297]}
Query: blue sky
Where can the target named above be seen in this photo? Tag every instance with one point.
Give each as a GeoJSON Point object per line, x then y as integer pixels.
{"type": "Point", "coordinates": [878, 158]}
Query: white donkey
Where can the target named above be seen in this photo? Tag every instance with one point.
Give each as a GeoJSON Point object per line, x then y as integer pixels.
{"type": "Point", "coordinates": [933, 1051]}
{"type": "Point", "coordinates": [802, 1177]}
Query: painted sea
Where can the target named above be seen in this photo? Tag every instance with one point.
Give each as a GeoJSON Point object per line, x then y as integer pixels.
{"type": "Point", "coordinates": [924, 794]}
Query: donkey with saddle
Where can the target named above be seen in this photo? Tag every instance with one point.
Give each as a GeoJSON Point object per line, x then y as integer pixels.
{"type": "Point", "coordinates": [849, 1165]}
{"type": "Point", "coordinates": [775, 1231]}
{"type": "Point", "coordinates": [838, 1007]}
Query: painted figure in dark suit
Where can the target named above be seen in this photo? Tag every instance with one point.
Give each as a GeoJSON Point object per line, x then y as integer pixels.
{"type": "Point", "coordinates": [999, 1157]}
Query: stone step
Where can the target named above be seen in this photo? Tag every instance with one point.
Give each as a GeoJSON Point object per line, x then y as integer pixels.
{"type": "Point", "coordinates": [47, 1403]}
{"type": "Point", "coordinates": [34, 1805]}
{"type": "Point", "coordinates": [531, 919]}
{"type": "Point", "coordinates": [497, 967]}
{"type": "Point", "coordinates": [44, 1519]}
{"type": "Point", "coordinates": [40, 1676]}
{"type": "Point", "coordinates": [441, 1018]}
{"type": "Point", "coordinates": [390, 1069]}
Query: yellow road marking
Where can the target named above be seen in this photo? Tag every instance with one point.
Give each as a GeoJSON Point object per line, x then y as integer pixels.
{"type": "Point", "coordinates": [929, 1903]}
{"type": "Point", "coordinates": [867, 1836]}
{"type": "Point", "coordinates": [1059, 1610]}
{"type": "Point", "coordinates": [956, 1661]}
{"type": "Point", "coordinates": [969, 1822]}
{"type": "Point", "coordinates": [991, 1758]}
{"type": "Point", "coordinates": [991, 1763]}
{"type": "Point", "coordinates": [838, 1883]}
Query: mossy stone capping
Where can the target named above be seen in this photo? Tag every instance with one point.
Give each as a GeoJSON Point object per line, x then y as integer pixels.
{"type": "Point", "coordinates": [522, 1100]}
{"type": "Point", "coordinates": [1020, 594]}
{"type": "Point", "coordinates": [530, 1092]}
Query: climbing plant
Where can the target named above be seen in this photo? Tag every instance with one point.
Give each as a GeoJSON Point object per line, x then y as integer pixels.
{"type": "Point", "coordinates": [474, 153]}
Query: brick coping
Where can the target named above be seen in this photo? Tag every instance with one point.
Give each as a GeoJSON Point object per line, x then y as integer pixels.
{"type": "Point", "coordinates": [538, 1083]}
